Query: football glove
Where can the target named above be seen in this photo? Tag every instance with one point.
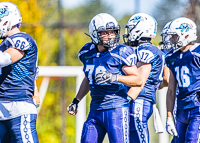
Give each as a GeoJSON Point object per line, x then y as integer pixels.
{"type": "Point", "coordinates": [130, 100]}
{"type": "Point", "coordinates": [170, 127]}
{"type": "Point", "coordinates": [73, 107]}
{"type": "Point", "coordinates": [105, 77]}
{"type": "Point", "coordinates": [36, 104]}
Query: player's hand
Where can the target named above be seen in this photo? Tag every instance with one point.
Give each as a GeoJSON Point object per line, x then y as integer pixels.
{"type": "Point", "coordinates": [36, 103]}
{"type": "Point", "coordinates": [73, 107]}
{"type": "Point", "coordinates": [170, 127]}
{"type": "Point", "coordinates": [105, 77]}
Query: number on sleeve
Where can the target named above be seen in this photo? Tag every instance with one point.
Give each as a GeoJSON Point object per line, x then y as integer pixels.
{"type": "Point", "coordinates": [145, 56]}
{"type": "Point", "coordinates": [132, 59]}
{"type": "Point", "coordinates": [21, 43]}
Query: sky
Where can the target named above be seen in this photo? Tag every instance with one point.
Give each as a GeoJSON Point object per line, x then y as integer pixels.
{"type": "Point", "coordinates": [120, 7]}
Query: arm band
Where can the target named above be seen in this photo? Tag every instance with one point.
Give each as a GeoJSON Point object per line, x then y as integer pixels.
{"type": "Point", "coordinates": [5, 59]}
{"type": "Point", "coordinates": [76, 101]}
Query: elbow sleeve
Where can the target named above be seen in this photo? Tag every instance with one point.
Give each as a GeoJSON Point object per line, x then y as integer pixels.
{"type": "Point", "coordinates": [5, 59]}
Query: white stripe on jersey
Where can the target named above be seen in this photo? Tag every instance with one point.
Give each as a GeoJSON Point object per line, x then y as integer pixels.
{"type": "Point", "coordinates": [194, 46]}
{"type": "Point", "coordinates": [125, 112]}
{"type": "Point", "coordinates": [138, 111]}
{"type": "Point", "coordinates": [82, 52]}
{"type": "Point", "coordinates": [11, 42]}
{"type": "Point", "coordinates": [196, 54]}
{"type": "Point", "coordinates": [198, 136]}
{"type": "Point", "coordinates": [26, 129]}
{"type": "Point", "coordinates": [163, 64]}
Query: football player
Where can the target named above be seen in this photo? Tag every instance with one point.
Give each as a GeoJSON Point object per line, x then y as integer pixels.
{"type": "Point", "coordinates": [18, 65]}
{"type": "Point", "coordinates": [166, 49]}
{"type": "Point", "coordinates": [140, 29]}
{"type": "Point", "coordinates": [184, 73]}
{"type": "Point", "coordinates": [109, 68]}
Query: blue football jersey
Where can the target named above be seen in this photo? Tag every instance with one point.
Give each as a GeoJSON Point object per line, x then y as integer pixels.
{"type": "Point", "coordinates": [186, 69]}
{"type": "Point", "coordinates": [107, 96]}
{"type": "Point", "coordinates": [87, 51]}
{"type": "Point", "coordinates": [167, 52]}
{"type": "Point", "coordinates": [150, 54]}
{"type": "Point", "coordinates": [17, 79]}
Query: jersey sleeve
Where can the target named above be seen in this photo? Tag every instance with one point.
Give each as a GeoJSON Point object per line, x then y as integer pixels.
{"type": "Point", "coordinates": [37, 71]}
{"type": "Point", "coordinates": [19, 43]}
{"type": "Point", "coordinates": [130, 56]}
{"type": "Point", "coordinates": [167, 61]}
{"type": "Point", "coordinates": [145, 56]}
{"type": "Point", "coordinates": [165, 52]}
{"type": "Point", "coordinates": [126, 56]}
{"type": "Point", "coordinates": [86, 52]}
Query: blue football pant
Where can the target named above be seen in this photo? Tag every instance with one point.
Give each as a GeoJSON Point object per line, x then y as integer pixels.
{"type": "Point", "coordinates": [140, 112]}
{"type": "Point", "coordinates": [21, 129]}
{"type": "Point", "coordinates": [188, 126]}
{"type": "Point", "coordinates": [115, 122]}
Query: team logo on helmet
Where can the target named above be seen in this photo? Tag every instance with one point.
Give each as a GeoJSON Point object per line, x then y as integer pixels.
{"type": "Point", "coordinates": [137, 19]}
{"type": "Point", "coordinates": [3, 12]}
{"type": "Point", "coordinates": [110, 25]}
{"type": "Point", "coordinates": [184, 27]}
{"type": "Point", "coordinates": [166, 28]}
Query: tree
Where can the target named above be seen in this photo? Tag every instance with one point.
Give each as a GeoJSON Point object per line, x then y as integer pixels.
{"type": "Point", "coordinates": [167, 10]}
{"type": "Point", "coordinates": [83, 14]}
{"type": "Point", "coordinates": [192, 11]}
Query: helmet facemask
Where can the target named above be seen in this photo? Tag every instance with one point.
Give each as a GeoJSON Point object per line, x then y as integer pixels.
{"type": "Point", "coordinates": [110, 42]}
{"type": "Point", "coordinates": [129, 37]}
{"type": "Point", "coordinates": [4, 28]}
{"type": "Point", "coordinates": [166, 44]}
{"type": "Point", "coordinates": [104, 22]}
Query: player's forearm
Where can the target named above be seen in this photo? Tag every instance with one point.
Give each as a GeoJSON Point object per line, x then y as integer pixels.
{"type": "Point", "coordinates": [134, 92]}
{"type": "Point", "coordinates": [170, 102]}
{"type": "Point", "coordinates": [163, 84]}
{"type": "Point", "coordinates": [83, 90]}
{"type": "Point", "coordinates": [130, 80]}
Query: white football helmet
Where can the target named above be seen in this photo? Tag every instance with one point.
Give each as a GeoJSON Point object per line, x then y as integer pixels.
{"type": "Point", "coordinates": [9, 16]}
{"type": "Point", "coordinates": [103, 22]}
{"type": "Point", "coordinates": [185, 30]}
{"type": "Point", "coordinates": [140, 25]}
{"type": "Point", "coordinates": [165, 38]}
